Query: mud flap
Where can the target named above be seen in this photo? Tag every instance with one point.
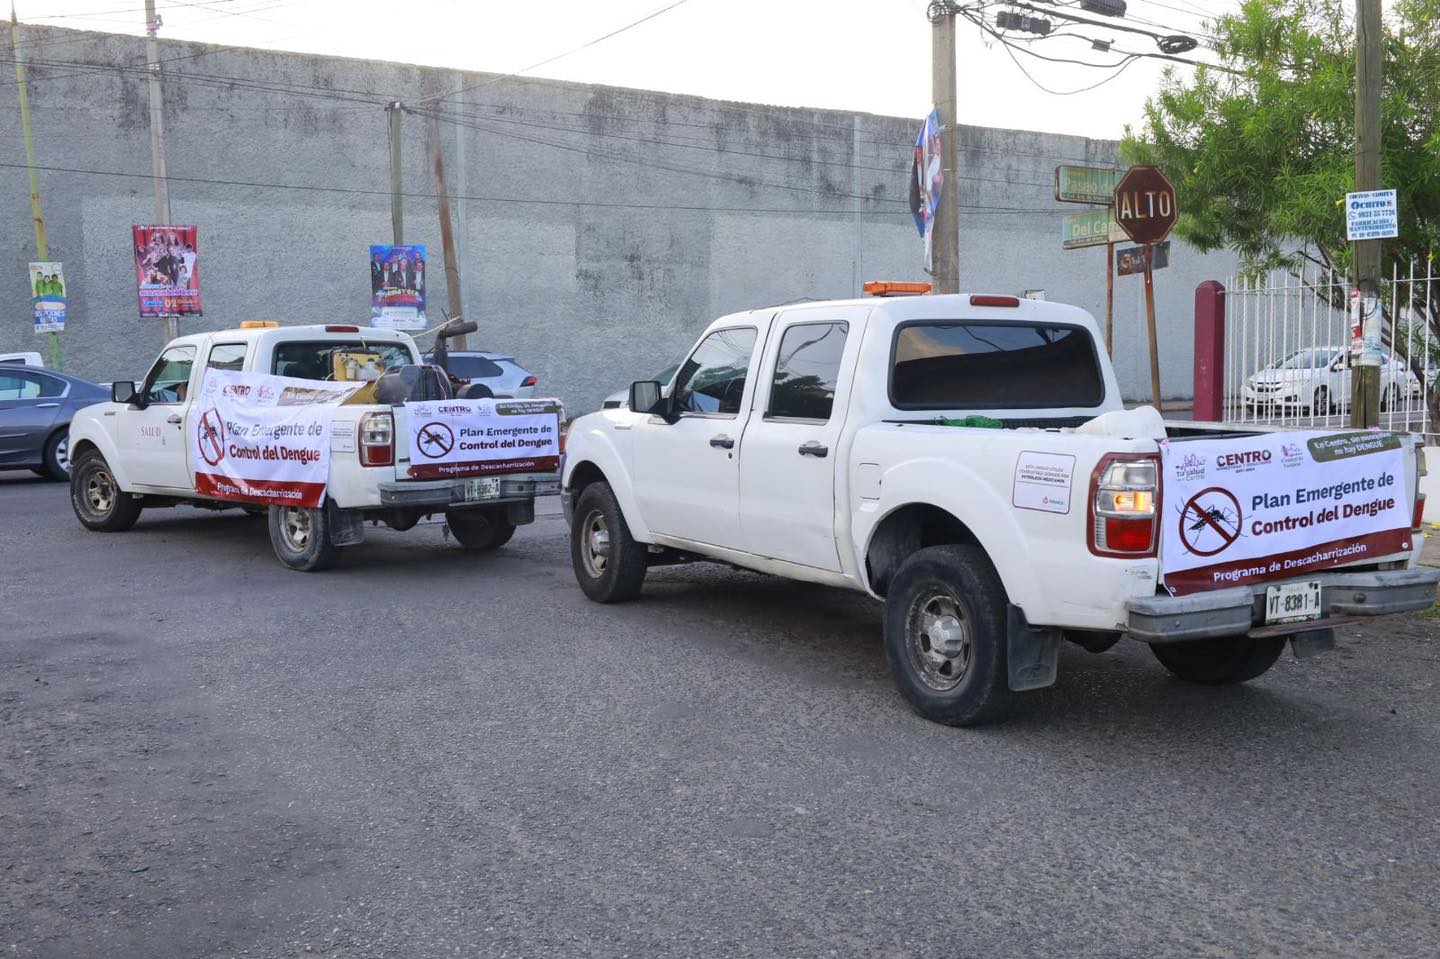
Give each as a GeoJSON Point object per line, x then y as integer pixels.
{"type": "Point", "coordinates": [1312, 643]}
{"type": "Point", "coordinates": [347, 526]}
{"type": "Point", "coordinates": [1033, 652]}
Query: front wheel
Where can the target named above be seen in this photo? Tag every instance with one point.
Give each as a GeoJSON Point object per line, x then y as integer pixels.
{"type": "Point", "coordinates": [301, 538]}
{"type": "Point", "coordinates": [609, 564]}
{"type": "Point", "coordinates": [480, 528]}
{"type": "Point", "coordinates": [98, 501]}
{"type": "Point", "coordinates": [1320, 406]}
{"type": "Point", "coordinates": [1223, 661]}
{"type": "Point", "coordinates": [945, 635]}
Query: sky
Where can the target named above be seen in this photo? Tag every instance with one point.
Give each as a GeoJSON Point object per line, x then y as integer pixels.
{"type": "Point", "coordinates": [865, 55]}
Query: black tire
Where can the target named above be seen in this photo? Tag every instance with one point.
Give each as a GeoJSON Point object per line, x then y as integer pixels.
{"type": "Point", "coordinates": [1391, 398]}
{"type": "Point", "coordinates": [57, 455]}
{"type": "Point", "coordinates": [488, 528]}
{"type": "Point", "coordinates": [301, 538]}
{"type": "Point", "coordinates": [958, 584]}
{"type": "Point", "coordinates": [1320, 405]}
{"type": "Point", "coordinates": [1220, 662]}
{"type": "Point", "coordinates": [97, 499]}
{"type": "Point", "coordinates": [609, 564]}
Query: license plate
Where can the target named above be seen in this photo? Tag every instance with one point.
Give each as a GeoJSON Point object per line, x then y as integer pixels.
{"type": "Point", "coordinates": [1292, 602]}
{"type": "Point", "coordinates": [484, 487]}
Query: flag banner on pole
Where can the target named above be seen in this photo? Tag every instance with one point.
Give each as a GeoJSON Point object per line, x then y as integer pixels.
{"type": "Point", "coordinates": [47, 297]}
{"type": "Point", "coordinates": [927, 179]}
{"type": "Point", "coordinates": [397, 287]}
{"type": "Point", "coordinates": [167, 270]}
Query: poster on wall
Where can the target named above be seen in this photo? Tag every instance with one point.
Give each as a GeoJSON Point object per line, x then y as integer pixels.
{"type": "Point", "coordinates": [47, 297]}
{"type": "Point", "coordinates": [927, 178]}
{"type": "Point", "coordinates": [397, 287]}
{"type": "Point", "coordinates": [167, 270]}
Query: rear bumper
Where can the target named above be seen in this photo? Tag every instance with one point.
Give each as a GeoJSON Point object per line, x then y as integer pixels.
{"type": "Point", "coordinates": [443, 494]}
{"type": "Point", "coordinates": [1240, 609]}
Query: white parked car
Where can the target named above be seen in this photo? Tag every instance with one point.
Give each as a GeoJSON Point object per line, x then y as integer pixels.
{"type": "Point", "coordinates": [967, 460]}
{"type": "Point", "coordinates": [498, 372]}
{"type": "Point", "coordinates": [1317, 380]}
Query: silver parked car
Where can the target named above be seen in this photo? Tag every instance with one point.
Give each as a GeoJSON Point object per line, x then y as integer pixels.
{"type": "Point", "coordinates": [498, 371]}
{"type": "Point", "coordinates": [35, 410]}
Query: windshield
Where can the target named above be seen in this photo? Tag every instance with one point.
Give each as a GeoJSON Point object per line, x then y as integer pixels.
{"type": "Point", "coordinates": [315, 359]}
{"type": "Point", "coordinates": [1305, 360]}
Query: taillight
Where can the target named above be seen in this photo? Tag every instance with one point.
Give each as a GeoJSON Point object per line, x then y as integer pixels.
{"type": "Point", "coordinates": [1418, 518]}
{"type": "Point", "coordinates": [1124, 505]}
{"type": "Point", "coordinates": [528, 381]}
{"type": "Point", "coordinates": [989, 299]}
{"type": "Point", "coordinates": [377, 439]}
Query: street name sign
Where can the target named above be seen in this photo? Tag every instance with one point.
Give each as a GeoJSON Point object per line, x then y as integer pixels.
{"type": "Point", "coordinates": [1090, 228]}
{"type": "Point", "coordinates": [1085, 184]}
{"type": "Point", "coordinates": [1371, 215]}
{"type": "Point", "coordinates": [1145, 204]}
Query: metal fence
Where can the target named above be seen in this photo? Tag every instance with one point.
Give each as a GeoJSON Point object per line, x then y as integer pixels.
{"type": "Point", "coordinates": [1287, 349]}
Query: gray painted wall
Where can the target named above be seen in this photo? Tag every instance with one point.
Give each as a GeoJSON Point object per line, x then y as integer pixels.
{"type": "Point", "coordinates": [599, 230]}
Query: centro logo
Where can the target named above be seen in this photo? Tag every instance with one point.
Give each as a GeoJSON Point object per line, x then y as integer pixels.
{"type": "Point", "coordinates": [1227, 461]}
{"type": "Point", "coordinates": [454, 410]}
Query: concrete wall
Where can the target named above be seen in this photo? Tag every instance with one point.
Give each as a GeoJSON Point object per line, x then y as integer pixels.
{"type": "Point", "coordinates": [600, 228]}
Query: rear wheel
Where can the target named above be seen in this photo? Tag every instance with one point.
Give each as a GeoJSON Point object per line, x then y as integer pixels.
{"type": "Point", "coordinates": [1222, 661]}
{"type": "Point", "coordinates": [1320, 406]}
{"type": "Point", "coordinates": [1391, 399]}
{"type": "Point", "coordinates": [301, 538]}
{"type": "Point", "coordinates": [98, 501]}
{"type": "Point", "coordinates": [488, 528]}
{"type": "Point", "coordinates": [609, 564]}
{"type": "Point", "coordinates": [57, 456]}
{"type": "Point", "coordinates": [945, 635]}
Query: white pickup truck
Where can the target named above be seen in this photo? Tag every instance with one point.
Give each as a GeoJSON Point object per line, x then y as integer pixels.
{"type": "Point", "coordinates": [134, 453]}
{"type": "Point", "coordinates": [967, 460]}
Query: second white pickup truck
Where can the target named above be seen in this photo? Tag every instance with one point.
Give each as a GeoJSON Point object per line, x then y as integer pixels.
{"type": "Point", "coordinates": [134, 453]}
{"type": "Point", "coordinates": [967, 460]}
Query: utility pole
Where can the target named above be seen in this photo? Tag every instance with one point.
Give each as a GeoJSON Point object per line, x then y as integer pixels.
{"type": "Point", "coordinates": [945, 240]}
{"type": "Point", "coordinates": [1365, 375]}
{"type": "Point", "coordinates": [157, 138]}
{"type": "Point", "coordinates": [396, 110]}
{"type": "Point", "coordinates": [42, 247]}
{"type": "Point", "coordinates": [447, 233]}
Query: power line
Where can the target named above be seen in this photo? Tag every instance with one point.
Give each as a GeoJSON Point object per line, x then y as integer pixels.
{"type": "Point", "coordinates": [535, 66]}
{"type": "Point", "coordinates": [358, 191]}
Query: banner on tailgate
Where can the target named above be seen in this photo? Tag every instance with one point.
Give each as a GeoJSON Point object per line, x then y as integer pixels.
{"type": "Point", "coordinates": [1255, 508]}
{"type": "Point", "coordinates": [451, 438]}
{"type": "Point", "coordinates": [264, 439]}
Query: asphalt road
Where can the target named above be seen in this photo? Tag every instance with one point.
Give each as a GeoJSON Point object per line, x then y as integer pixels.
{"type": "Point", "coordinates": [429, 753]}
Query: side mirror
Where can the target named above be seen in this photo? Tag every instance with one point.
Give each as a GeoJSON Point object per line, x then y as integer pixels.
{"type": "Point", "coordinates": [645, 396]}
{"type": "Point", "coordinates": [122, 391]}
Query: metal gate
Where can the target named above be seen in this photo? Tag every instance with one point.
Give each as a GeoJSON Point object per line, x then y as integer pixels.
{"type": "Point", "coordinates": [1287, 349]}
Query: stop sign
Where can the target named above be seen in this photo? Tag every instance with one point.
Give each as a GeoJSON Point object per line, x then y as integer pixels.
{"type": "Point", "coordinates": [1145, 206]}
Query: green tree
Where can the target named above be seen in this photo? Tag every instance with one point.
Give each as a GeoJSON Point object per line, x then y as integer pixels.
{"type": "Point", "coordinates": [1262, 146]}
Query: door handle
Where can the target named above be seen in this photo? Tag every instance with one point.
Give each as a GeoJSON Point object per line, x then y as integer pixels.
{"type": "Point", "coordinates": [46, 406]}
{"type": "Point", "coordinates": [173, 419]}
{"type": "Point", "coordinates": [813, 448]}
{"type": "Point", "coordinates": [722, 442]}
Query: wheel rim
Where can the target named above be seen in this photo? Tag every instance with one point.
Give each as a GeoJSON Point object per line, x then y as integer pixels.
{"type": "Point", "coordinates": [940, 640]}
{"type": "Point", "coordinates": [295, 527]}
{"type": "Point", "coordinates": [62, 454]}
{"type": "Point", "coordinates": [595, 544]}
{"type": "Point", "coordinates": [100, 491]}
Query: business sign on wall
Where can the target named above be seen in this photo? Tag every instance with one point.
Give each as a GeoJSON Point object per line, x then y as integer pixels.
{"type": "Point", "coordinates": [167, 270]}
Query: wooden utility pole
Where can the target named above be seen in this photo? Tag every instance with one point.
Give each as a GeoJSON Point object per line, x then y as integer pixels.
{"type": "Point", "coordinates": [157, 138]}
{"type": "Point", "coordinates": [1365, 375]}
{"type": "Point", "coordinates": [447, 233]}
{"type": "Point", "coordinates": [397, 214]}
{"type": "Point", "coordinates": [945, 238]}
{"type": "Point", "coordinates": [42, 247]}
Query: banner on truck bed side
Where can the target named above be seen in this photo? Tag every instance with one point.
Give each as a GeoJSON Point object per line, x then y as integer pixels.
{"type": "Point", "coordinates": [1253, 508]}
{"type": "Point", "coordinates": [450, 438]}
{"type": "Point", "coordinates": [264, 439]}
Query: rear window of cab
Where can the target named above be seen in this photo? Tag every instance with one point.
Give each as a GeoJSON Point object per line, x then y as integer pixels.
{"type": "Point", "coordinates": [979, 364]}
